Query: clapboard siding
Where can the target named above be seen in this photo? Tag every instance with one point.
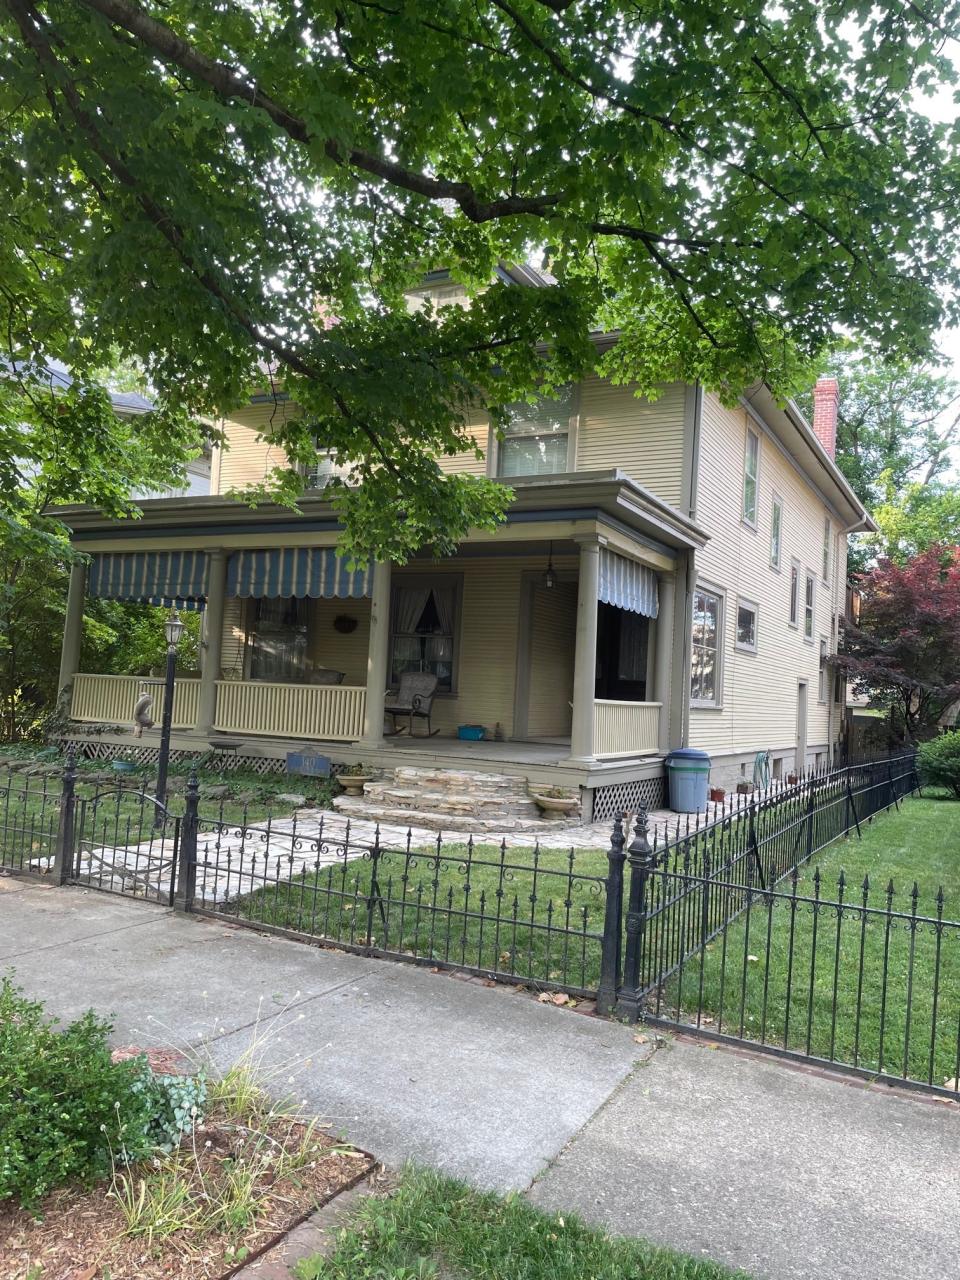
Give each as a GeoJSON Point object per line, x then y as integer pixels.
{"type": "Point", "coordinates": [759, 691]}
{"type": "Point", "coordinates": [642, 437]}
{"type": "Point", "coordinates": [466, 462]}
{"type": "Point", "coordinates": [553, 629]}
{"type": "Point", "coordinates": [247, 458]}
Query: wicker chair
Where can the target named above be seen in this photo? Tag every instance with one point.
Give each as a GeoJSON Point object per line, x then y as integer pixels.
{"type": "Point", "coordinates": [414, 700]}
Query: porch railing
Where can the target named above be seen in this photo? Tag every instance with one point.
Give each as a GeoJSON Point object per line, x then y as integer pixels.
{"type": "Point", "coordinates": [112, 699]}
{"type": "Point", "coordinates": [333, 713]}
{"type": "Point", "coordinates": [625, 728]}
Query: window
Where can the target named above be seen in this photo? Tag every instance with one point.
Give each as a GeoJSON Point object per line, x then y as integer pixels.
{"type": "Point", "coordinates": [794, 591]}
{"type": "Point", "coordinates": [423, 631]}
{"type": "Point", "coordinates": [746, 626]}
{"type": "Point", "coordinates": [808, 606]}
{"type": "Point", "coordinates": [824, 673]}
{"type": "Point", "coordinates": [776, 533]}
{"type": "Point", "coordinates": [705, 662]}
{"type": "Point", "coordinates": [827, 539]}
{"type": "Point", "coordinates": [278, 640]}
{"type": "Point", "coordinates": [535, 436]}
{"type": "Point", "coordinates": [751, 474]}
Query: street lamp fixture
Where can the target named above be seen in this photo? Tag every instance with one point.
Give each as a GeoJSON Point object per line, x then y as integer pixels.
{"type": "Point", "coordinates": [173, 628]}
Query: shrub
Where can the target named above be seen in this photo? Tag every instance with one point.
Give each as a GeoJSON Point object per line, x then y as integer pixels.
{"type": "Point", "coordinates": [65, 1107]}
{"type": "Point", "coordinates": [938, 762]}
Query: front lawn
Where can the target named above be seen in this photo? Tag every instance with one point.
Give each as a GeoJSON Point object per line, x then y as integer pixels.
{"type": "Point", "coordinates": [885, 989]}
{"type": "Point", "coordinates": [528, 914]}
{"type": "Point", "coordinates": [432, 1228]}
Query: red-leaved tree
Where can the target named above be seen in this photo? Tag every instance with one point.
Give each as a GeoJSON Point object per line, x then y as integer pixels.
{"type": "Point", "coordinates": [905, 648]}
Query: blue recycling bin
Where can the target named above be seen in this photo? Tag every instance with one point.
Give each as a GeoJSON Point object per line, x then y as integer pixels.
{"type": "Point", "coordinates": [688, 777]}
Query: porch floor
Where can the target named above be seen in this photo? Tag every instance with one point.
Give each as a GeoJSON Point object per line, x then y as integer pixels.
{"type": "Point", "coordinates": [476, 753]}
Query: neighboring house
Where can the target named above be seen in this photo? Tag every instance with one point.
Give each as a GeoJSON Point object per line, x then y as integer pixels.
{"type": "Point", "coordinates": [669, 573]}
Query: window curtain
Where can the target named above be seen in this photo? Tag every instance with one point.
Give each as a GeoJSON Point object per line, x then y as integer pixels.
{"type": "Point", "coordinates": [443, 601]}
{"type": "Point", "coordinates": [409, 604]}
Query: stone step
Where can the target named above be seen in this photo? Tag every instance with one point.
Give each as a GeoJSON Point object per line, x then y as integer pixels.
{"type": "Point", "coordinates": [432, 820]}
{"type": "Point", "coordinates": [415, 798]}
{"type": "Point", "coordinates": [459, 780]}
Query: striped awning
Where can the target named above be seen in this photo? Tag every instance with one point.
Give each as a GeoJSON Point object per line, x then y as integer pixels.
{"type": "Point", "coordinates": [295, 571]}
{"type": "Point", "coordinates": [170, 578]}
{"type": "Point", "coordinates": [627, 584]}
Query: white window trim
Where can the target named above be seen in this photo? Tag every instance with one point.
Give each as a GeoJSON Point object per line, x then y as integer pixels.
{"type": "Point", "coordinates": [742, 602]}
{"type": "Point", "coordinates": [777, 565]}
{"type": "Point", "coordinates": [794, 622]}
{"type": "Point", "coordinates": [809, 575]}
{"type": "Point", "coordinates": [745, 519]}
{"type": "Point", "coordinates": [495, 443]}
{"type": "Point", "coordinates": [702, 704]}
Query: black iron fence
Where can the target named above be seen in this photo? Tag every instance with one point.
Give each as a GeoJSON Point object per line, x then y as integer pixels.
{"type": "Point", "coordinates": [723, 929]}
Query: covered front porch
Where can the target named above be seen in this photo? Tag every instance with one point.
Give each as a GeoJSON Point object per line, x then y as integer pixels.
{"type": "Point", "coordinates": [556, 636]}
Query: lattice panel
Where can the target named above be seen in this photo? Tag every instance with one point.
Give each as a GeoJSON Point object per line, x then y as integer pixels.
{"type": "Point", "coordinates": [627, 797]}
{"type": "Point", "coordinates": [226, 761]}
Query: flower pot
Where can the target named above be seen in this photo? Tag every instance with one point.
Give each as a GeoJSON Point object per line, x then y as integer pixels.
{"type": "Point", "coordinates": [792, 779]}
{"type": "Point", "coordinates": [717, 795]}
{"type": "Point", "coordinates": [557, 804]}
{"type": "Point", "coordinates": [353, 783]}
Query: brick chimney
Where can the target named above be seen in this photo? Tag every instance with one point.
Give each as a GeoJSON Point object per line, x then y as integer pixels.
{"type": "Point", "coordinates": [826, 398]}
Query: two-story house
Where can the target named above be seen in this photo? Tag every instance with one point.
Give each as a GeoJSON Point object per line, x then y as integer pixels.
{"type": "Point", "coordinates": [669, 573]}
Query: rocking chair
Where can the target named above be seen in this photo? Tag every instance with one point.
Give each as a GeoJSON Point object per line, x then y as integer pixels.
{"type": "Point", "coordinates": [414, 700]}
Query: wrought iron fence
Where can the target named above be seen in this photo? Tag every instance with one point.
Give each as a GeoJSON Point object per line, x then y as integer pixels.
{"type": "Point", "coordinates": [527, 915]}
{"type": "Point", "coordinates": [30, 810]}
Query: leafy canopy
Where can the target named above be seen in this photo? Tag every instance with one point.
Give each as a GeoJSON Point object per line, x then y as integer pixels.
{"type": "Point", "coordinates": [197, 186]}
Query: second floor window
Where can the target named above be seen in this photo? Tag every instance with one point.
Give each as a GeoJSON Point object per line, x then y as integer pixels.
{"type": "Point", "coordinates": [536, 436]}
{"type": "Point", "coordinates": [794, 592]}
{"type": "Point", "coordinates": [705, 666]}
{"type": "Point", "coordinates": [751, 476]}
{"type": "Point", "coordinates": [808, 606]}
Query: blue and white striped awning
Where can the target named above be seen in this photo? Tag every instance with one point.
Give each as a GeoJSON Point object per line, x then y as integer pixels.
{"type": "Point", "coordinates": [295, 571]}
{"type": "Point", "coordinates": [170, 578]}
{"type": "Point", "coordinates": [627, 584]}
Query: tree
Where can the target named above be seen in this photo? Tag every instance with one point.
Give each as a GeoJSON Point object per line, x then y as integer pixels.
{"type": "Point", "coordinates": [197, 186]}
{"type": "Point", "coordinates": [897, 423]}
{"type": "Point", "coordinates": [905, 649]}
{"type": "Point", "coordinates": [915, 518]}
{"type": "Point", "coordinates": [63, 443]}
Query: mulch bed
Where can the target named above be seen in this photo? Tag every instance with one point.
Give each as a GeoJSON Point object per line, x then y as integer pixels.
{"type": "Point", "coordinates": [81, 1234]}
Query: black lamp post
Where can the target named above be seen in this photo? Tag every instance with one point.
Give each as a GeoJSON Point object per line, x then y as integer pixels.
{"type": "Point", "coordinates": [174, 630]}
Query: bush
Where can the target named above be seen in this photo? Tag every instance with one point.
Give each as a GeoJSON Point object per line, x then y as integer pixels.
{"type": "Point", "coordinates": [938, 762]}
{"type": "Point", "coordinates": [65, 1107]}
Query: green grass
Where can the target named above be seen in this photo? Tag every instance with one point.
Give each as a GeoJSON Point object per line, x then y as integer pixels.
{"type": "Point", "coordinates": [550, 909]}
{"type": "Point", "coordinates": [435, 1229]}
{"type": "Point", "coordinates": [749, 987]}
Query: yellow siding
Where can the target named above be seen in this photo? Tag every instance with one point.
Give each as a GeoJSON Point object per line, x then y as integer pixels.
{"type": "Point", "coordinates": [331, 648]}
{"type": "Point", "coordinates": [247, 459]}
{"type": "Point", "coordinates": [642, 438]}
{"type": "Point", "coordinates": [759, 691]}
{"type": "Point", "coordinates": [552, 639]}
{"type": "Point", "coordinates": [466, 462]}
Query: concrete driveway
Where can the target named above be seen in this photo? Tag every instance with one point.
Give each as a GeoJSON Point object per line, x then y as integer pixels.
{"type": "Point", "coordinates": [787, 1174]}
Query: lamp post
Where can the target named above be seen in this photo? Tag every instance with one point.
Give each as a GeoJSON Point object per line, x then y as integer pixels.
{"type": "Point", "coordinates": [174, 630]}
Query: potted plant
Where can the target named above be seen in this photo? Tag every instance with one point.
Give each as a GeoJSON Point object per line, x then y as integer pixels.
{"type": "Point", "coordinates": [354, 777]}
{"type": "Point", "coordinates": [744, 788]}
{"type": "Point", "coordinates": [556, 800]}
{"type": "Point", "coordinates": [717, 795]}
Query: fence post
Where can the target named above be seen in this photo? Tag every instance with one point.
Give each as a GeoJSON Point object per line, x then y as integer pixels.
{"type": "Point", "coordinates": [63, 849]}
{"type": "Point", "coordinates": [811, 809]}
{"type": "Point", "coordinates": [375, 896]}
{"type": "Point", "coordinates": [185, 873]}
{"type": "Point", "coordinates": [642, 861]}
{"type": "Point", "coordinates": [611, 952]}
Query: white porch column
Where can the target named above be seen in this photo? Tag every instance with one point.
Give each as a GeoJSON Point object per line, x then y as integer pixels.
{"type": "Point", "coordinates": [585, 657]}
{"type": "Point", "coordinates": [73, 625]}
{"type": "Point", "coordinates": [212, 655]}
{"type": "Point", "coordinates": [664, 644]}
{"type": "Point", "coordinates": [378, 655]}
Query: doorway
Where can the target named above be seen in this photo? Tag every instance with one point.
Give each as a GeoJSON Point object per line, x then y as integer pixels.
{"type": "Point", "coordinates": [801, 757]}
{"type": "Point", "coordinates": [545, 662]}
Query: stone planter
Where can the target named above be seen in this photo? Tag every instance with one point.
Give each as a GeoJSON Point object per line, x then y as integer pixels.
{"type": "Point", "coordinates": [557, 804]}
{"type": "Point", "coordinates": [717, 795]}
{"type": "Point", "coordinates": [744, 788]}
{"type": "Point", "coordinates": [353, 783]}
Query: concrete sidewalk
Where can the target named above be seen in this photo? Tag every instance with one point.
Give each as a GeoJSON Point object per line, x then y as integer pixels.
{"type": "Point", "coordinates": [787, 1174]}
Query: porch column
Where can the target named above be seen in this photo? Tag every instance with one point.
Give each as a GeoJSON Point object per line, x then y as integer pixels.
{"type": "Point", "coordinates": [378, 655]}
{"type": "Point", "coordinates": [663, 656]}
{"type": "Point", "coordinates": [213, 639]}
{"type": "Point", "coordinates": [585, 656]}
{"type": "Point", "coordinates": [73, 625]}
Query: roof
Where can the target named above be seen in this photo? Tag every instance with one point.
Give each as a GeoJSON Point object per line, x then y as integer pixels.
{"type": "Point", "coordinates": [59, 378]}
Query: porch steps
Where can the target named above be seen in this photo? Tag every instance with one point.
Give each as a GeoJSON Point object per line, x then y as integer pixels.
{"type": "Point", "coordinates": [448, 799]}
